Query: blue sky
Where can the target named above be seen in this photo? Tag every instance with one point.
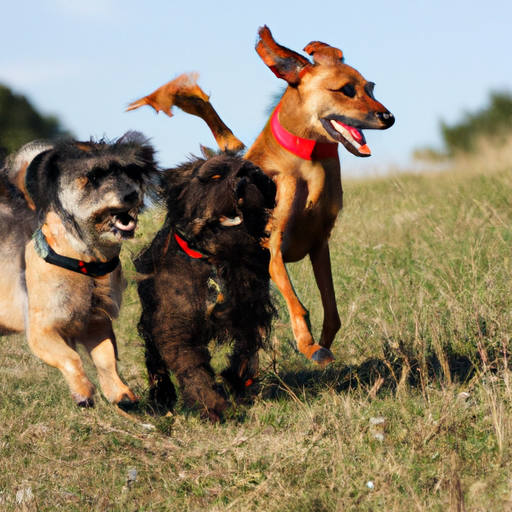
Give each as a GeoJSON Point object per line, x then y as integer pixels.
{"type": "Point", "coordinates": [86, 61]}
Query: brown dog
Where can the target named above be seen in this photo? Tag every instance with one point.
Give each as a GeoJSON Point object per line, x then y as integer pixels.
{"type": "Point", "coordinates": [326, 102]}
{"type": "Point", "coordinates": [65, 208]}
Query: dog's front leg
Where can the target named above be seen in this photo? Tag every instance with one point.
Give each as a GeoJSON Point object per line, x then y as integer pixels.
{"type": "Point", "coordinates": [100, 342]}
{"type": "Point", "coordinates": [50, 347]}
{"type": "Point", "coordinates": [191, 365]}
{"type": "Point", "coordinates": [243, 369]}
{"type": "Point", "coordinates": [56, 312]}
{"type": "Point", "coordinates": [321, 262]}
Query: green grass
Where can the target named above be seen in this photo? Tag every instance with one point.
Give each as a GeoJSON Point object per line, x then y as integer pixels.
{"type": "Point", "coordinates": [418, 401]}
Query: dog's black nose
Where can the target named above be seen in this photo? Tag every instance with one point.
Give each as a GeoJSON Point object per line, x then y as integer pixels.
{"type": "Point", "coordinates": [240, 187]}
{"type": "Point", "coordinates": [387, 118]}
{"type": "Point", "coordinates": [131, 199]}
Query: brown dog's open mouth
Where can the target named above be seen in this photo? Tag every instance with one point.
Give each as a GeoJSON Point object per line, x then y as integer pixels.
{"type": "Point", "coordinates": [352, 138]}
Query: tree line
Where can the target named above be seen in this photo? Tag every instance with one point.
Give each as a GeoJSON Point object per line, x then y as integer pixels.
{"type": "Point", "coordinates": [20, 122]}
{"type": "Point", "coordinates": [492, 124]}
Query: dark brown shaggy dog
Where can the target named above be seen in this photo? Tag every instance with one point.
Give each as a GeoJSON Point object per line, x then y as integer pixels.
{"type": "Point", "coordinates": [65, 208]}
{"type": "Point", "coordinates": [206, 278]}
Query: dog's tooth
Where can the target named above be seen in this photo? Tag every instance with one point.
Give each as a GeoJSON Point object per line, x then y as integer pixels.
{"type": "Point", "coordinates": [230, 221]}
{"type": "Point", "coordinates": [341, 129]}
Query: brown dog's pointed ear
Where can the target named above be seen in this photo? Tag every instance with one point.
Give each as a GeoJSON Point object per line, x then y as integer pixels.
{"type": "Point", "coordinates": [284, 63]}
{"type": "Point", "coordinates": [323, 53]}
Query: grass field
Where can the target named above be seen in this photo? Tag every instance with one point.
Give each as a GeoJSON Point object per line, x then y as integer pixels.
{"type": "Point", "coordinates": [415, 414]}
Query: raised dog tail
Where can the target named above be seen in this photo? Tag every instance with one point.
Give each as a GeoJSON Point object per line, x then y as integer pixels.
{"type": "Point", "coordinates": [184, 93]}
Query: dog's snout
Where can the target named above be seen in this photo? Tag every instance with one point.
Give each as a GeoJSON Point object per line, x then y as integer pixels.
{"type": "Point", "coordinates": [387, 118]}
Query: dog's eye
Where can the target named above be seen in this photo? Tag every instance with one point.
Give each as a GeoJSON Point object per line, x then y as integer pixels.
{"type": "Point", "coordinates": [348, 90]}
{"type": "Point", "coordinates": [94, 176]}
{"type": "Point", "coordinates": [134, 172]}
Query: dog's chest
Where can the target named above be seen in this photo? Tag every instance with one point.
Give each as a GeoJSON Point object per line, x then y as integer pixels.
{"type": "Point", "coordinates": [57, 296]}
{"type": "Point", "coordinates": [215, 290]}
{"type": "Point", "coordinates": [106, 295]}
{"type": "Point", "coordinates": [218, 297]}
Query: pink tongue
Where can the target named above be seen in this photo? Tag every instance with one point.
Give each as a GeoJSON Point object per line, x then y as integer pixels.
{"type": "Point", "coordinates": [356, 134]}
{"type": "Point", "coordinates": [364, 150]}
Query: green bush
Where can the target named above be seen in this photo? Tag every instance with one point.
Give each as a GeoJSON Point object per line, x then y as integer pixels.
{"type": "Point", "coordinates": [492, 124]}
{"type": "Point", "coordinates": [21, 123]}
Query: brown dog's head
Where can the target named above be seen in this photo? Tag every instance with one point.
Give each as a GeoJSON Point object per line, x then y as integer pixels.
{"type": "Point", "coordinates": [96, 188]}
{"type": "Point", "coordinates": [221, 204]}
{"type": "Point", "coordinates": [326, 100]}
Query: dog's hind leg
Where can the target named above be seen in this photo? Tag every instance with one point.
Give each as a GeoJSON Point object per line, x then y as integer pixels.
{"type": "Point", "coordinates": [100, 342]}
{"type": "Point", "coordinates": [161, 392]}
{"type": "Point", "coordinates": [298, 314]}
{"type": "Point", "coordinates": [321, 262]}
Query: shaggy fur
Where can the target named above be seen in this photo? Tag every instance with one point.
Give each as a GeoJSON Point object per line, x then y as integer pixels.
{"type": "Point", "coordinates": [83, 198]}
{"type": "Point", "coordinates": [220, 207]}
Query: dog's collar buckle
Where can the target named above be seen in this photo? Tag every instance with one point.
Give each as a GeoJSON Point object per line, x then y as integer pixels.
{"type": "Point", "coordinates": [90, 269]}
{"type": "Point", "coordinates": [187, 250]}
{"type": "Point", "coordinates": [306, 149]}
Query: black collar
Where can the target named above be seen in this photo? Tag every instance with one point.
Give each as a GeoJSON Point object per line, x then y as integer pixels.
{"type": "Point", "coordinates": [91, 269]}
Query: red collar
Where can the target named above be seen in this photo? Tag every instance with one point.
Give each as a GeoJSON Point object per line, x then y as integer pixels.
{"type": "Point", "coordinates": [190, 252]}
{"type": "Point", "coordinates": [306, 149]}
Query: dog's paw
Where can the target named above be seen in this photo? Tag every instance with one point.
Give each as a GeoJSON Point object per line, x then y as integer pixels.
{"type": "Point", "coordinates": [322, 356]}
{"type": "Point", "coordinates": [127, 403]}
{"type": "Point", "coordinates": [82, 401]}
{"type": "Point", "coordinates": [217, 413]}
